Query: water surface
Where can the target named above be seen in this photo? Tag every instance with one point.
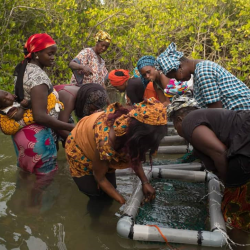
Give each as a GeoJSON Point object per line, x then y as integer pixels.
{"type": "Point", "coordinates": [62, 217]}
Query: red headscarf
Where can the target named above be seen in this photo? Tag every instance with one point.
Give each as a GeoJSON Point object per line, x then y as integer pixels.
{"type": "Point", "coordinates": [38, 42]}
{"type": "Point", "coordinates": [118, 80]}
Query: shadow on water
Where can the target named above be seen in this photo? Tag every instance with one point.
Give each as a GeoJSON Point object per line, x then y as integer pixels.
{"type": "Point", "coordinates": [38, 214]}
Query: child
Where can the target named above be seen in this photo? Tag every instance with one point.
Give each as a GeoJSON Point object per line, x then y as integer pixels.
{"type": "Point", "coordinates": [11, 108]}
{"type": "Point", "coordinates": [14, 116]}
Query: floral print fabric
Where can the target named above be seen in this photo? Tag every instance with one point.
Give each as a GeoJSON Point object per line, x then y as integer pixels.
{"type": "Point", "coordinates": [89, 58]}
{"type": "Point", "coordinates": [79, 164]}
{"type": "Point", "coordinates": [36, 149]}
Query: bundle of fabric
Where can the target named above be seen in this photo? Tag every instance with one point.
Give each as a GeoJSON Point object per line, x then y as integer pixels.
{"type": "Point", "coordinates": [10, 126]}
{"type": "Point", "coordinates": [175, 88]}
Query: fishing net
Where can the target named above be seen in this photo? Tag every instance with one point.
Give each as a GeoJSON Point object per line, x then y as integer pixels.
{"type": "Point", "coordinates": [178, 204]}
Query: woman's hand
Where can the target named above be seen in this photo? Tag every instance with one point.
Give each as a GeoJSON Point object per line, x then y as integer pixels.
{"type": "Point", "coordinates": [86, 70]}
{"type": "Point", "coordinates": [121, 200]}
{"type": "Point", "coordinates": [148, 191]}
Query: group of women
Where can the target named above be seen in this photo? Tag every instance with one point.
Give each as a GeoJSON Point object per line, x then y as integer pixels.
{"type": "Point", "coordinates": [119, 137]}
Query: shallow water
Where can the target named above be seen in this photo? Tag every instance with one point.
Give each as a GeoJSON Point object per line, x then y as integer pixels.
{"type": "Point", "coordinates": [61, 218]}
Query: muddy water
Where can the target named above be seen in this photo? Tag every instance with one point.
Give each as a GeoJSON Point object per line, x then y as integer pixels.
{"type": "Point", "coordinates": [60, 217]}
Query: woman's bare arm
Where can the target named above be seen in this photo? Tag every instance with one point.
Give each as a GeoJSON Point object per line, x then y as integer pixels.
{"type": "Point", "coordinates": [39, 96]}
{"type": "Point", "coordinates": [205, 140]}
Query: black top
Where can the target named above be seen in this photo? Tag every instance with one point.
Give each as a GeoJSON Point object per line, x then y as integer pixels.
{"type": "Point", "coordinates": [232, 128]}
{"type": "Point", "coordinates": [135, 90]}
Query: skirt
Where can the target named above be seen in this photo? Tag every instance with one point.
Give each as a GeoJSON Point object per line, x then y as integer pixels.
{"type": "Point", "coordinates": [36, 149]}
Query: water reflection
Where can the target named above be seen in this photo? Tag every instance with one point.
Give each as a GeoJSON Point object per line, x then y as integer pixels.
{"type": "Point", "coordinates": [57, 215]}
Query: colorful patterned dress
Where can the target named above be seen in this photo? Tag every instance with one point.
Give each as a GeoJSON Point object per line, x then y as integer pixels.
{"type": "Point", "coordinates": [34, 144]}
{"type": "Point", "coordinates": [89, 58]}
{"type": "Point", "coordinates": [85, 138]}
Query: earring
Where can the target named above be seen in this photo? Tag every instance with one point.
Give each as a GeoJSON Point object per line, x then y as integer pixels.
{"type": "Point", "coordinates": [37, 57]}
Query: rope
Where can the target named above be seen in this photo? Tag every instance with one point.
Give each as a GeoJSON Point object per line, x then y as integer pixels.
{"type": "Point", "coordinates": [162, 235]}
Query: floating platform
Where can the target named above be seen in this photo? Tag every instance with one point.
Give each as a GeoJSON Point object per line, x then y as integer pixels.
{"type": "Point", "coordinates": [127, 228]}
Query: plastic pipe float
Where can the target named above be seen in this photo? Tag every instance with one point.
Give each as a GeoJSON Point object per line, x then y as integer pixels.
{"type": "Point", "coordinates": [182, 149]}
{"type": "Point", "coordinates": [173, 139]}
{"type": "Point", "coordinates": [127, 228]}
{"type": "Point", "coordinates": [195, 166]}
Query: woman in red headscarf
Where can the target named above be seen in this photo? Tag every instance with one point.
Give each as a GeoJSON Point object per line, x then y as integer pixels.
{"type": "Point", "coordinates": [35, 145]}
{"type": "Point", "coordinates": [133, 87]}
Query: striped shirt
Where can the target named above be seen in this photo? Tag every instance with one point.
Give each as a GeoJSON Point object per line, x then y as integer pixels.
{"type": "Point", "coordinates": [213, 83]}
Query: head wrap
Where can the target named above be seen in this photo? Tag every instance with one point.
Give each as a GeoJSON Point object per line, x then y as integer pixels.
{"type": "Point", "coordinates": [149, 111]}
{"type": "Point", "coordinates": [169, 59]}
{"type": "Point", "coordinates": [102, 36]}
{"type": "Point", "coordinates": [142, 62]}
{"type": "Point", "coordinates": [89, 94]}
{"type": "Point", "coordinates": [179, 103]}
{"type": "Point", "coordinates": [38, 42]}
{"type": "Point", "coordinates": [145, 61]}
{"type": "Point", "coordinates": [117, 80]}
{"type": "Point", "coordinates": [175, 88]}
{"type": "Point", "coordinates": [35, 43]}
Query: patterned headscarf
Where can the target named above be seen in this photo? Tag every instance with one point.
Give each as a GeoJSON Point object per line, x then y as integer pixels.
{"type": "Point", "coordinates": [179, 103]}
{"type": "Point", "coordinates": [102, 36]}
{"type": "Point", "coordinates": [117, 80]}
{"type": "Point", "coordinates": [169, 59]}
{"type": "Point", "coordinates": [149, 111]}
{"type": "Point", "coordinates": [38, 42]}
{"type": "Point", "coordinates": [142, 62]}
{"type": "Point", "coordinates": [145, 61]}
{"type": "Point", "coordinates": [175, 88]}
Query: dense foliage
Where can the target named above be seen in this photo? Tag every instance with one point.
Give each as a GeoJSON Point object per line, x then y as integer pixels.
{"type": "Point", "coordinates": [216, 30]}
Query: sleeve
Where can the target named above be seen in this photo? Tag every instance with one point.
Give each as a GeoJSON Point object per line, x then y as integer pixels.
{"type": "Point", "coordinates": [82, 57]}
{"type": "Point", "coordinates": [207, 84]}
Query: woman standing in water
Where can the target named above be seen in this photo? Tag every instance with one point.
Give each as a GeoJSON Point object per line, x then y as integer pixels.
{"type": "Point", "coordinates": [88, 65]}
{"type": "Point", "coordinates": [35, 146]}
{"type": "Point", "coordinates": [221, 139]}
{"type": "Point", "coordinates": [84, 100]}
{"type": "Point", "coordinates": [146, 67]}
{"type": "Point", "coordinates": [214, 86]}
{"type": "Point", "coordinates": [115, 139]}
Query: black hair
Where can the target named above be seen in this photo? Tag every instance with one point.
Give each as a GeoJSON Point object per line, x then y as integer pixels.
{"type": "Point", "coordinates": [182, 112]}
{"type": "Point", "coordinates": [19, 73]}
{"type": "Point", "coordinates": [143, 138]}
{"type": "Point", "coordinates": [139, 139]}
{"type": "Point", "coordinates": [82, 96]}
{"type": "Point", "coordinates": [119, 73]}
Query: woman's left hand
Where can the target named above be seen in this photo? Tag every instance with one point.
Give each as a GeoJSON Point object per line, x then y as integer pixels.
{"type": "Point", "coordinates": [148, 191]}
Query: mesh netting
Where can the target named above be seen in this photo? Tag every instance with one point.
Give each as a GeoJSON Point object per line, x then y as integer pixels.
{"type": "Point", "coordinates": [178, 204]}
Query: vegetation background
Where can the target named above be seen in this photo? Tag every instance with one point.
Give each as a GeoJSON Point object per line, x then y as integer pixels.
{"type": "Point", "coordinates": [216, 30]}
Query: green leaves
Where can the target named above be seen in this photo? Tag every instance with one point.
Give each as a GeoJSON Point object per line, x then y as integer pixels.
{"type": "Point", "coordinates": [216, 30]}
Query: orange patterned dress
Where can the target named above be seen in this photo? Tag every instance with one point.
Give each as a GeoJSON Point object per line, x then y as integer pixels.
{"type": "Point", "coordinates": [86, 137]}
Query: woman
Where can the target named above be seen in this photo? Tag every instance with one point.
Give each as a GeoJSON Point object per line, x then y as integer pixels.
{"type": "Point", "coordinates": [114, 139]}
{"type": "Point", "coordinates": [221, 139]}
{"type": "Point", "coordinates": [84, 100]}
{"type": "Point", "coordinates": [88, 66]}
{"type": "Point", "coordinates": [34, 144]}
{"type": "Point", "coordinates": [149, 73]}
{"type": "Point", "coordinates": [133, 87]}
{"type": "Point", "coordinates": [214, 86]}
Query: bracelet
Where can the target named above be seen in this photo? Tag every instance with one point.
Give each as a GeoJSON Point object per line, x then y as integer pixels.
{"type": "Point", "coordinates": [144, 182]}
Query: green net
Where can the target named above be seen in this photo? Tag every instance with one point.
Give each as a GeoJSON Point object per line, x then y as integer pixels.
{"type": "Point", "coordinates": [178, 204]}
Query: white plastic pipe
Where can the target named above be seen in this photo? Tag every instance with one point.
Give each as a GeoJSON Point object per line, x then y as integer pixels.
{"type": "Point", "coordinates": [173, 139]}
{"type": "Point", "coordinates": [195, 166]}
{"type": "Point", "coordinates": [194, 176]}
{"type": "Point", "coordinates": [127, 229]}
{"type": "Point", "coordinates": [181, 149]}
